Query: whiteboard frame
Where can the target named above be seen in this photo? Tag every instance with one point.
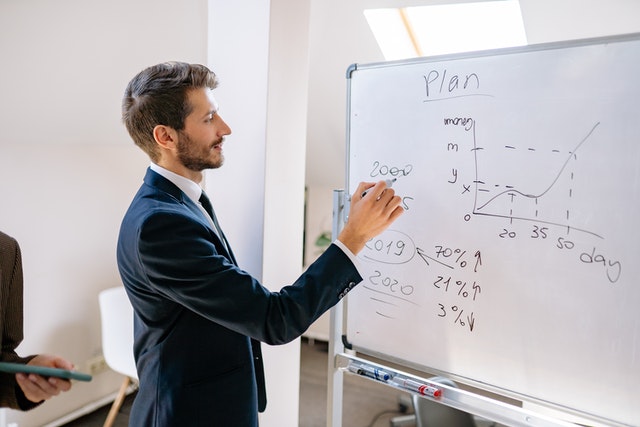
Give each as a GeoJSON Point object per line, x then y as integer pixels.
{"type": "Point", "coordinates": [480, 54]}
{"type": "Point", "coordinates": [339, 356]}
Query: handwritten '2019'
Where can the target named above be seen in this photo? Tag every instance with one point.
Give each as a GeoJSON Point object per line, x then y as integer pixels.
{"type": "Point", "coordinates": [390, 247]}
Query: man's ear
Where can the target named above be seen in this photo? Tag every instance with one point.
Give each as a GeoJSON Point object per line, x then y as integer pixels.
{"type": "Point", "coordinates": [165, 136]}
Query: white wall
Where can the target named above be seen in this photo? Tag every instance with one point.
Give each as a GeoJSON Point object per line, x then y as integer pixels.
{"type": "Point", "coordinates": [238, 53]}
{"type": "Point", "coordinates": [67, 167]}
{"type": "Point", "coordinates": [553, 20]}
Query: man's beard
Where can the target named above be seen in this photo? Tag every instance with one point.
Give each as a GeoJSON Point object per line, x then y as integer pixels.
{"type": "Point", "coordinates": [194, 159]}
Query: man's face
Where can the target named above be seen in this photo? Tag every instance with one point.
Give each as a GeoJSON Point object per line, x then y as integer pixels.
{"type": "Point", "coordinates": [199, 145]}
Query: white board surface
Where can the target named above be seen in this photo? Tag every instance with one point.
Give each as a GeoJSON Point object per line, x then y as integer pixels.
{"type": "Point", "coordinates": [517, 262]}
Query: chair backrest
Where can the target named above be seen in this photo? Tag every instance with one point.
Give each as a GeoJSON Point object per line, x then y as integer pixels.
{"type": "Point", "coordinates": [116, 315]}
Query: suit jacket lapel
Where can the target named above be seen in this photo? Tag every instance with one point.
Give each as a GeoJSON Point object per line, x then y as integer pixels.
{"type": "Point", "coordinates": [161, 183]}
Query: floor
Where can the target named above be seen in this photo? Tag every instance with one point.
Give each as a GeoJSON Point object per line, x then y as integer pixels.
{"type": "Point", "coordinates": [366, 403]}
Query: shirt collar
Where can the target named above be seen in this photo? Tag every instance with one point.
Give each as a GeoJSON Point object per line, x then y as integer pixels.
{"type": "Point", "coordinates": [188, 187]}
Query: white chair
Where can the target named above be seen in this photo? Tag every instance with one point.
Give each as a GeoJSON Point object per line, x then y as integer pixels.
{"type": "Point", "coordinates": [116, 315]}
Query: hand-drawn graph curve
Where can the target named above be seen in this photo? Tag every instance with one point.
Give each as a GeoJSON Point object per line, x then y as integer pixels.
{"type": "Point", "coordinates": [512, 196]}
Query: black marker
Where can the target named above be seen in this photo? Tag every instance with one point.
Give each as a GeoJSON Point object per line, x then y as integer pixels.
{"type": "Point", "coordinates": [369, 371]}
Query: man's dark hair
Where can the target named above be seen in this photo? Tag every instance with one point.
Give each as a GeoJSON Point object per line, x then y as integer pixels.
{"type": "Point", "coordinates": [158, 96]}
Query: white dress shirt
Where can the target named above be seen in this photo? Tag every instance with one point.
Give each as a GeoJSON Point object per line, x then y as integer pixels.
{"type": "Point", "coordinates": [193, 191]}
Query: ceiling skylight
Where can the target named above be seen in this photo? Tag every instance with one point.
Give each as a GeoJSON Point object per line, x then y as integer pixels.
{"type": "Point", "coordinates": [434, 30]}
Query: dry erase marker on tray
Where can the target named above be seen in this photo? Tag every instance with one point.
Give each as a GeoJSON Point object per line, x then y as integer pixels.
{"type": "Point", "coordinates": [417, 387]}
{"type": "Point", "coordinates": [368, 371]}
{"type": "Point", "coordinates": [389, 183]}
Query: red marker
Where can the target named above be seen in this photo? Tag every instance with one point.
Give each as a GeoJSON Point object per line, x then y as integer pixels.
{"type": "Point", "coordinates": [415, 386]}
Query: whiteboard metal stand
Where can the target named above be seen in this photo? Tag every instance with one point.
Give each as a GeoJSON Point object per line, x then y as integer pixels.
{"type": "Point", "coordinates": [335, 375]}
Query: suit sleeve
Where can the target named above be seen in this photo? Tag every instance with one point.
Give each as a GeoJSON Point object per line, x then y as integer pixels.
{"type": "Point", "coordinates": [181, 263]}
{"type": "Point", "coordinates": [11, 394]}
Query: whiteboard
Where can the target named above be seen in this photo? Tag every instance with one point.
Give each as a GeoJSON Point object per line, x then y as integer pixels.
{"type": "Point", "coordinates": [516, 264]}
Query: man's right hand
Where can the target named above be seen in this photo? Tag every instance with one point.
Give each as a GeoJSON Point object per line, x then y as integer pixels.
{"type": "Point", "coordinates": [369, 215]}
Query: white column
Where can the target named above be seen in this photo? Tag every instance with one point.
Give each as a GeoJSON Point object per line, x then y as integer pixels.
{"type": "Point", "coordinates": [284, 189]}
{"type": "Point", "coordinates": [259, 51]}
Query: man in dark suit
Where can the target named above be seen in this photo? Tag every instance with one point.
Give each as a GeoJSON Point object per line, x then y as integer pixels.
{"type": "Point", "coordinates": [21, 391]}
{"type": "Point", "coordinates": [198, 317]}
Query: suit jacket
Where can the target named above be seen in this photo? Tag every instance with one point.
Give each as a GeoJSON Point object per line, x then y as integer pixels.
{"type": "Point", "coordinates": [11, 333]}
{"type": "Point", "coordinates": [198, 317]}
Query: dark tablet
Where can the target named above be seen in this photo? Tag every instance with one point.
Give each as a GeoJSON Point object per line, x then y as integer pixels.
{"type": "Point", "coordinates": [44, 371]}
